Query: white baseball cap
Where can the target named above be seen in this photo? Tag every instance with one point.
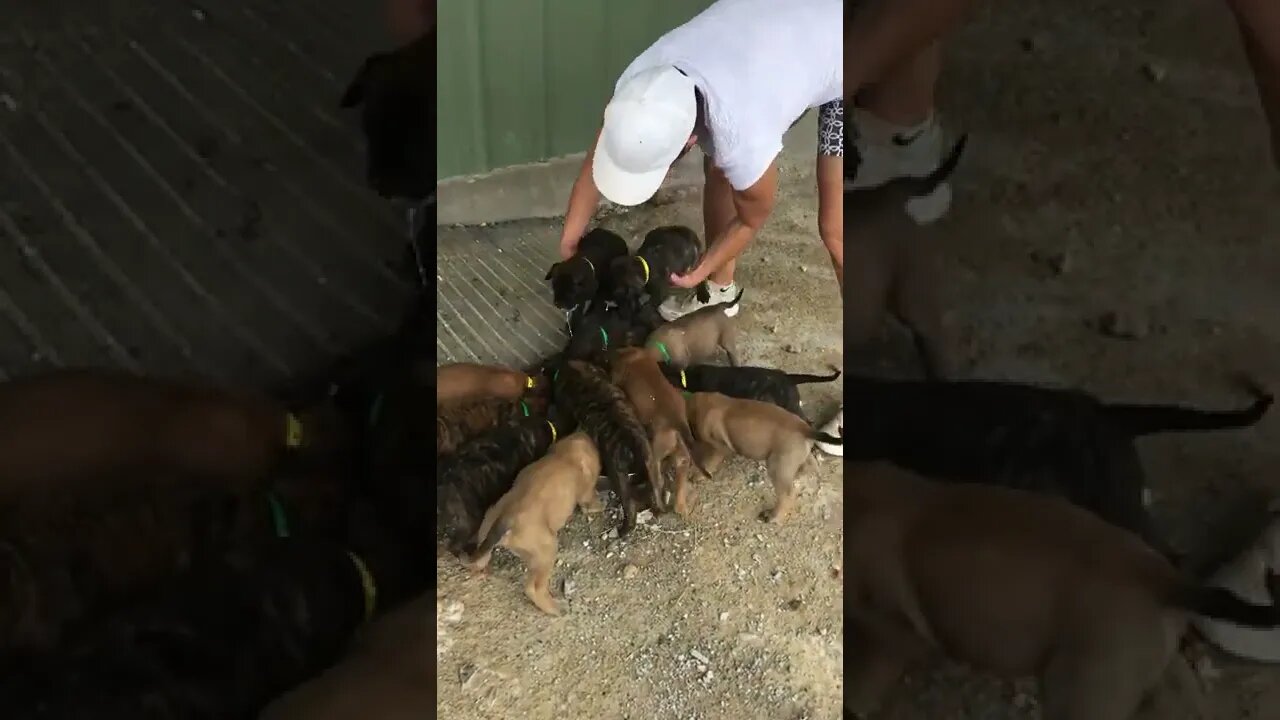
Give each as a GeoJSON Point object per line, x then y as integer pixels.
{"type": "Point", "coordinates": [646, 126]}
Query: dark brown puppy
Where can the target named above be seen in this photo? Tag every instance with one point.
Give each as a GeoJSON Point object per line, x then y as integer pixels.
{"type": "Point", "coordinates": [585, 277]}
{"type": "Point", "coordinates": [464, 382]}
{"type": "Point", "coordinates": [894, 264]}
{"type": "Point", "coordinates": [602, 410]}
{"type": "Point", "coordinates": [755, 430]}
{"type": "Point", "coordinates": [1017, 584]}
{"type": "Point", "coordinates": [71, 431]}
{"type": "Point", "coordinates": [698, 336]}
{"type": "Point", "coordinates": [602, 330]}
{"type": "Point", "coordinates": [472, 479]}
{"type": "Point", "coordinates": [661, 408]}
{"type": "Point", "coordinates": [749, 383]}
{"type": "Point", "coordinates": [386, 675]}
{"type": "Point", "coordinates": [645, 278]}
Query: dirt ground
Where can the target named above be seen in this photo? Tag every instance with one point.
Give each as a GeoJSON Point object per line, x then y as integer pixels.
{"type": "Point", "coordinates": [1117, 166]}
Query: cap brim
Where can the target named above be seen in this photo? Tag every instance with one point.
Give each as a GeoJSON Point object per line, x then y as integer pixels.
{"type": "Point", "coordinates": [619, 186]}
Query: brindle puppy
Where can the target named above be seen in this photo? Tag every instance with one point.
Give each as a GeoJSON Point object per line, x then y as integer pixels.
{"type": "Point", "coordinates": [745, 382]}
{"type": "Point", "coordinates": [482, 470]}
{"type": "Point", "coordinates": [458, 424]}
{"type": "Point", "coordinates": [602, 410]}
{"type": "Point", "coordinates": [221, 643]}
{"type": "Point", "coordinates": [665, 250]}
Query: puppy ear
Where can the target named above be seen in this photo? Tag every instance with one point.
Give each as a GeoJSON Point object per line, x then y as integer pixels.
{"type": "Point", "coordinates": [551, 270]}
{"type": "Point", "coordinates": [355, 92]}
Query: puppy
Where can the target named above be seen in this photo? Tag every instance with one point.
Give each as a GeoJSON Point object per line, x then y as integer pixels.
{"type": "Point", "coordinates": [382, 676]}
{"type": "Point", "coordinates": [482, 470]}
{"type": "Point", "coordinates": [1060, 441]}
{"type": "Point", "coordinates": [602, 410]}
{"type": "Point", "coordinates": [697, 336]}
{"type": "Point", "coordinates": [601, 330]}
{"type": "Point", "coordinates": [398, 93]}
{"type": "Point", "coordinates": [660, 407]}
{"type": "Point", "coordinates": [895, 264]}
{"type": "Point", "coordinates": [1016, 584]}
{"type": "Point", "coordinates": [459, 423]}
{"type": "Point", "coordinates": [665, 250]}
{"type": "Point", "coordinates": [759, 431]}
{"type": "Point", "coordinates": [461, 382]}
{"type": "Point", "coordinates": [220, 643]}
{"type": "Point", "coordinates": [585, 277]}
{"type": "Point", "coordinates": [85, 431]}
{"type": "Point", "coordinates": [1246, 576]}
{"type": "Point", "coordinates": [749, 383]}
{"type": "Point", "coordinates": [527, 520]}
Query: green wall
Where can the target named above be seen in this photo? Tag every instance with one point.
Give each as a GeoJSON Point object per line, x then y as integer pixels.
{"type": "Point", "coordinates": [520, 81]}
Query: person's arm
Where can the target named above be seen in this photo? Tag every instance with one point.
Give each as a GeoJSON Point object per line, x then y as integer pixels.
{"type": "Point", "coordinates": [1259, 22]}
{"type": "Point", "coordinates": [881, 34]}
{"type": "Point", "coordinates": [753, 206]}
{"type": "Point", "coordinates": [584, 199]}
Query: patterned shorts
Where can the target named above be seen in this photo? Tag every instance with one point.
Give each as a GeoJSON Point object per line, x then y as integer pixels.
{"type": "Point", "coordinates": [831, 128]}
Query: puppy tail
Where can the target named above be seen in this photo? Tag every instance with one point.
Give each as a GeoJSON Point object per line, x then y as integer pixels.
{"type": "Point", "coordinates": [800, 379]}
{"type": "Point", "coordinates": [1148, 419]}
{"type": "Point", "coordinates": [491, 540]}
{"type": "Point", "coordinates": [1222, 604]}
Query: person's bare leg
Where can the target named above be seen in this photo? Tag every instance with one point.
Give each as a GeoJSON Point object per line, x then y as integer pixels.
{"type": "Point", "coordinates": [1259, 22]}
{"type": "Point", "coordinates": [830, 175]}
{"type": "Point", "coordinates": [881, 35]}
{"type": "Point", "coordinates": [905, 95]}
{"type": "Point", "coordinates": [717, 213]}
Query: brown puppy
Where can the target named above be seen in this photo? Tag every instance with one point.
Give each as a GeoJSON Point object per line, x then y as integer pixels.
{"type": "Point", "coordinates": [456, 424]}
{"type": "Point", "coordinates": [661, 408]}
{"type": "Point", "coordinates": [461, 382]}
{"type": "Point", "coordinates": [757, 430]}
{"type": "Point", "coordinates": [527, 520]}
{"type": "Point", "coordinates": [82, 431]}
{"type": "Point", "coordinates": [895, 264]}
{"type": "Point", "coordinates": [696, 337]}
{"type": "Point", "coordinates": [387, 675]}
{"type": "Point", "coordinates": [1014, 583]}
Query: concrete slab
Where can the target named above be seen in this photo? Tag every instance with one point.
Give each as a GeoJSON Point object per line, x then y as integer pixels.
{"type": "Point", "coordinates": [179, 192]}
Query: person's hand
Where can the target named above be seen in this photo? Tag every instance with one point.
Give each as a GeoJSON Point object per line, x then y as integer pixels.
{"type": "Point", "coordinates": [568, 246]}
{"type": "Point", "coordinates": [695, 276]}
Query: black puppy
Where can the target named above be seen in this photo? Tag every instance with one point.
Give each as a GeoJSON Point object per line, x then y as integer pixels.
{"type": "Point", "coordinates": [601, 409]}
{"type": "Point", "coordinates": [1059, 441]}
{"type": "Point", "coordinates": [749, 383]}
{"type": "Point", "coordinates": [647, 274]}
{"type": "Point", "coordinates": [218, 645]}
{"type": "Point", "coordinates": [398, 91]}
{"type": "Point", "coordinates": [603, 329]}
{"type": "Point", "coordinates": [484, 469]}
{"type": "Point", "coordinates": [584, 278]}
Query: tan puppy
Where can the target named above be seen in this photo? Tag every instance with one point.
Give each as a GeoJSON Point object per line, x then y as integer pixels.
{"type": "Point", "coordinates": [461, 382]}
{"type": "Point", "coordinates": [661, 408]}
{"type": "Point", "coordinates": [696, 337]}
{"type": "Point", "coordinates": [389, 674]}
{"type": "Point", "coordinates": [757, 430]}
{"type": "Point", "coordinates": [1014, 583]}
{"type": "Point", "coordinates": [527, 520]}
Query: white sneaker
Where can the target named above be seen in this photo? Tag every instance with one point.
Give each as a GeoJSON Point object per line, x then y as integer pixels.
{"type": "Point", "coordinates": [891, 151]}
{"type": "Point", "coordinates": [675, 307]}
{"type": "Point", "coordinates": [834, 427]}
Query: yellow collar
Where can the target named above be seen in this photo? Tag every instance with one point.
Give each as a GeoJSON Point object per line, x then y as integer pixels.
{"type": "Point", "coordinates": [529, 382]}
{"type": "Point", "coordinates": [553, 430]}
{"type": "Point", "coordinates": [292, 431]}
{"type": "Point", "coordinates": [644, 264]}
{"type": "Point", "coordinates": [366, 581]}
{"type": "Point", "coordinates": [684, 382]}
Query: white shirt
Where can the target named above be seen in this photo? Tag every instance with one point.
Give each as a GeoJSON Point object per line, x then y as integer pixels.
{"type": "Point", "coordinates": [760, 65]}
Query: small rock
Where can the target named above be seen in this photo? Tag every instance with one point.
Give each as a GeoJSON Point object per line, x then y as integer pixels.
{"type": "Point", "coordinates": [569, 586]}
{"type": "Point", "coordinates": [629, 571]}
{"type": "Point", "coordinates": [724, 616]}
{"type": "Point", "coordinates": [1153, 71]}
{"type": "Point", "coordinates": [644, 516]}
{"type": "Point", "coordinates": [1124, 325]}
{"type": "Point", "coordinates": [776, 576]}
{"type": "Point", "coordinates": [699, 657]}
{"type": "Point", "coordinates": [466, 673]}
{"type": "Point", "coordinates": [449, 611]}
{"type": "Point", "coordinates": [613, 534]}
{"type": "Point", "coordinates": [789, 348]}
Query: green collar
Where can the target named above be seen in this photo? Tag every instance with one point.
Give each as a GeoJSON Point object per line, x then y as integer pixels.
{"type": "Point", "coordinates": [605, 336]}
{"type": "Point", "coordinates": [278, 518]}
{"type": "Point", "coordinates": [662, 348]}
{"type": "Point", "coordinates": [524, 409]}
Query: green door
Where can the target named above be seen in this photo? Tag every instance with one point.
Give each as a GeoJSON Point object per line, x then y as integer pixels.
{"type": "Point", "coordinates": [525, 80]}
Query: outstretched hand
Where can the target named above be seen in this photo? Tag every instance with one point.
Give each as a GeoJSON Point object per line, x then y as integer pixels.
{"type": "Point", "coordinates": [695, 277]}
